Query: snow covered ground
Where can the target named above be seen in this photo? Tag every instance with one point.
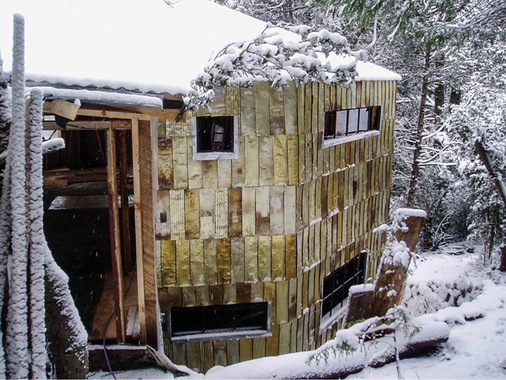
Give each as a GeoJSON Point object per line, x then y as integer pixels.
{"type": "Point", "coordinates": [454, 288]}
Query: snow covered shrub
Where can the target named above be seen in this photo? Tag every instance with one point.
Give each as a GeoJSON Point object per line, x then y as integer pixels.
{"type": "Point", "coordinates": [433, 295]}
{"type": "Point", "coordinates": [278, 55]}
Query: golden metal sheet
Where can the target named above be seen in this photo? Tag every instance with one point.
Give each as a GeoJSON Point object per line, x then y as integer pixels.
{"type": "Point", "coordinates": [183, 262]}
{"type": "Point", "coordinates": [197, 269]}
{"type": "Point", "coordinates": [224, 261]}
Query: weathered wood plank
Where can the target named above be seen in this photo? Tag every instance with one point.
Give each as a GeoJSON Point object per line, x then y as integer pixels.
{"type": "Point", "coordinates": [183, 262]}
{"type": "Point", "coordinates": [251, 163]}
{"type": "Point", "coordinates": [251, 258]}
{"type": "Point", "coordinates": [290, 108]}
{"type": "Point", "coordinates": [277, 112]}
{"type": "Point", "coordinates": [237, 260]}
{"type": "Point", "coordinates": [262, 112]}
{"type": "Point", "coordinates": [262, 220]}
{"type": "Point", "coordinates": [234, 212]}
{"type": "Point", "coordinates": [207, 213]}
{"type": "Point", "coordinates": [265, 258]}
{"type": "Point", "coordinates": [278, 257]}
{"type": "Point", "coordinates": [280, 160]}
{"type": "Point", "coordinates": [224, 261]}
{"type": "Point", "coordinates": [221, 213]}
{"type": "Point", "coordinates": [211, 261]}
{"type": "Point", "coordinates": [192, 214]}
{"type": "Point", "coordinates": [197, 269]}
{"type": "Point", "coordinates": [266, 158]}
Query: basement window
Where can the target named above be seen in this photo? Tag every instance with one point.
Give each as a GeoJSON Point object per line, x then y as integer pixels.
{"type": "Point", "coordinates": [215, 137]}
{"type": "Point", "coordinates": [337, 285]}
{"type": "Point", "coordinates": [350, 124]}
{"type": "Point", "coordinates": [218, 322]}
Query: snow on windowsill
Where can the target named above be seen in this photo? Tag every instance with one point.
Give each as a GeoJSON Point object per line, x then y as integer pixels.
{"type": "Point", "coordinates": [346, 139]}
{"type": "Point", "coordinates": [225, 335]}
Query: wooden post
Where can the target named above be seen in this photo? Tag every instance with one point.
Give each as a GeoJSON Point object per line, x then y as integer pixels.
{"type": "Point", "coordinates": [138, 229]}
{"type": "Point", "coordinates": [125, 215]}
{"type": "Point", "coordinates": [114, 231]}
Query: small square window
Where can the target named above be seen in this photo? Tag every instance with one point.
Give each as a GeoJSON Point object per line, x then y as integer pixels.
{"type": "Point", "coordinates": [215, 137]}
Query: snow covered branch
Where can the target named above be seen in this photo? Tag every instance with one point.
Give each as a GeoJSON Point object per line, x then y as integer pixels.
{"type": "Point", "coordinates": [278, 55]}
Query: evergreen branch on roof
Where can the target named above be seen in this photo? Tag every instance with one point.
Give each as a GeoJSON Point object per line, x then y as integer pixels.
{"type": "Point", "coordinates": [278, 56]}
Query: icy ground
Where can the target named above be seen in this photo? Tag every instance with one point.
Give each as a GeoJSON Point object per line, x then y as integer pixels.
{"type": "Point", "coordinates": [451, 286]}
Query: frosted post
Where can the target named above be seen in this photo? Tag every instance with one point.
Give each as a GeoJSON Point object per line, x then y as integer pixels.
{"type": "Point", "coordinates": [37, 240]}
{"type": "Point", "coordinates": [17, 353]}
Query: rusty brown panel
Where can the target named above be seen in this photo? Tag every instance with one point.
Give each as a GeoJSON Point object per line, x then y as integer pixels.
{"type": "Point", "coordinates": [277, 111]}
{"type": "Point", "coordinates": [243, 292]}
{"type": "Point", "coordinates": [216, 294]}
{"type": "Point", "coordinates": [235, 212]}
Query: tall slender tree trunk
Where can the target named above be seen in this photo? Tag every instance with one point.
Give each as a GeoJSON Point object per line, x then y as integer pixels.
{"type": "Point", "coordinates": [415, 168]}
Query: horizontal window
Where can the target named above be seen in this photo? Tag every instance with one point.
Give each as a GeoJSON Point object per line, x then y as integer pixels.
{"type": "Point", "coordinates": [350, 122]}
{"type": "Point", "coordinates": [219, 321]}
{"type": "Point", "coordinates": [215, 137]}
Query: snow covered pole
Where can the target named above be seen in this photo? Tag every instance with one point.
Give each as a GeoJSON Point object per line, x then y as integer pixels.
{"type": "Point", "coordinates": [5, 214]}
{"type": "Point", "coordinates": [17, 353]}
{"type": "Point", "coordinates": [37, 240]}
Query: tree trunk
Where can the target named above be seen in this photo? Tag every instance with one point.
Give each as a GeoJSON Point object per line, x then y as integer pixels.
{"type": "Point", "coordinates": [65, 332]}
{"type": "Point", "coordinates": [415, 168]}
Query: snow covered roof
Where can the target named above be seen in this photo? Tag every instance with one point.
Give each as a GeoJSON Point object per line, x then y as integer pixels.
{"type": "Point", "coordinates": [133, 45]}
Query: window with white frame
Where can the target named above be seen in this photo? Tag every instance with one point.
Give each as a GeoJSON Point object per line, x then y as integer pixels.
{"type": "Point", "coordinates": [215, 137]}
{"type": "Point", "coordinates": [350, 122]}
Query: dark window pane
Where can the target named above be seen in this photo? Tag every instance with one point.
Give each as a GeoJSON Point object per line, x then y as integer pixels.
{"type": "Point", "coordinates": [220, 318]}
{"type": "Point", "coordinates": [215, 134]}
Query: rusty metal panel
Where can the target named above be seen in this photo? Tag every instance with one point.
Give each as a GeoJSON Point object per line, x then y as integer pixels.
{"type": "Point", "coordinates": [234, 212]}
{"type": "Point", "coordinates": [277, 111]}
{"type": "Point", "coordinates": [248, 211]}
{"type": "Point", "coordinates": [277, 210]}
{"type": "Point", "coordinates": [262, 211]}
{"type": "Point", "coordinates": [248, 114]}
{"type": "Point", "coordinates": [290, 108]}
{"type": "Point", "coordinates": [251, 259]}
{"type": "Point", "coordinates": [280, 160]}
{"type": "Point", "coordinates": [168, 262]}
{"type": "Point", "coordinates": [263, 127]}
{"type": "Point", "coordinates": [293, 159]}
{"type": "Point", "coordinates": [197, 269]}
{"type": "Point", "coordinates": [224, 261]}
{"type": "Point", "coordinates": [221, 213]}
{"type": "Point", "coordinates": [177, 200]}
{"type": "Point", "coordinates": [192, 214]}
{"type": "Point", "coordinates": [183, 262]}
{"type": "Point", "coordinates": [237, 269]}
{"type": "Point", "coordinates": [180, 154]}
{"type": "Point", "coordinates": [266, 160]}
{"type": "Point", "coordinates": [211, 261]}
{"type": "Point", "coordinates": [207, 210]}
{"type": "Point", "coordinates": [290, 209]}
{"type": "Point", "coordinates": [265, 258]}
{"type": "Point", "coordinates": [251, 160]}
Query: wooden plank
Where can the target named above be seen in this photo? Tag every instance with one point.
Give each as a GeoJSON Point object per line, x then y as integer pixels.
{"type": "Point", "coordinates": [262, 217]}
{"type": "Point", "coordinates": [115, 239]}
{"type": "Point", "coordinates": [183, 262]}
{"type": "Point", "coordinates": [278, 257]}
{"type": "Point", "coordinates": [180, 154]}
{"type": "Point", "coordinates": [147, 150]}
{"type": "Point", "coordinates": [266, 169]}
{"type": "Point", "coordinates": [233, 352]}
{"type": "Point", "coordinates": [251, 259]}
{"type": "Point", "coordinates": [237, 260]}
{"type": "Point", "coordinates": [281, 302]}
{"type": "Point", "coordinates": [239, 166]}
{"type": "Point", "coordinates": [211, 261]}
{"type": "Point", "coordinates": [243, 292]}
{"type": "Point", "coordinates": [251, 164]}
{"type": "Point", "coordinates": [280, 160]}
{"type": "Point", "coordinates": [248, 113]}
{"type": "Point", "coordinates": [221, 213]}
{"type": "Point", "coordinates": [293, 159]}
{"type": "Point", "coordinates": [177, 211]}
{"type": "Point", "coordinates": [224, 261]}
{"type": "Point", "coordinates": [246, 349]}
{"type": "Point", "coordinates": [284, 338]}
{"type": "Point", "coordinates": [225, 173]}
{"type": "Point", "coordinates": [197, 269]}
{"type": "Point", "coordinates": [229, 294]}
{"type": "Point", "coordinates": [168, 262]}
{"type": "Point", "coordinates": [272, 342]}
{"type": "Point", "coordinates": [192, 213]}
{"type": "Point", "coordinates": [259, 348]}
{"type": "Point", "coordinates": [292, 299]}
{"type": "Point", "coordinates": [291, 256]}
{"type": "Point", "coordinates": [290, 210]}
{"type": "Point", "coordinates": [165, 165]}
{"type": "Point", "coordinates": [220, 353]}
{"type": "Point", "coordinates": [125, 214]}
{"type": "Point", "coordinates": [210, 174]}
{"type": "Point", "coordinates": [207, 213]}
{"type": "Point", "coordinates": [277, 111]}
{"type": "Point", "coordinates": [234, 212]}
{"type": "Point", "coordinates": [277, 225]}
{"type": "Point", "coordinates": [265, 258]}
{"type": "Point", "coordinates": [138, 229]}
{"type": "Point", "coordinates": [248, 211]}
{"type": "Point", "coordinates": [290, 108]}
{"type": "Point", "coordinates": [263, 127]}
{"type": "Point", "coordinates": [112, 114]}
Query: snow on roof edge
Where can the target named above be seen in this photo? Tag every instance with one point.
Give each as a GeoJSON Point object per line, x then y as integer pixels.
{"type": "Point", "coordinates": [368, 71]}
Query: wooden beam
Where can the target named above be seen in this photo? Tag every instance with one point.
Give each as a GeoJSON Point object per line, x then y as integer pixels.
{"type": "Point", "coordinates": [169, 114]}
{"type": "Point", "coordinates": [111, 114]}
{"type": "Point", "coordinates": [78, 125]}
{"type": "Point", "coordinates": [62, 108]}
{"type": "Point", "coordinates": [114, 230]}
{"type": "Point", "coordinates": [138, 229]}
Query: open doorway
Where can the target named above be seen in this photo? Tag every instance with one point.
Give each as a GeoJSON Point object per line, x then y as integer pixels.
{"type": "Point", "coordinates": [82, 187]}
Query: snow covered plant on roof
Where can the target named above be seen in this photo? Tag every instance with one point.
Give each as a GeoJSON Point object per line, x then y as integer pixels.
{"type": "Point", "coordinates": [278, 55]}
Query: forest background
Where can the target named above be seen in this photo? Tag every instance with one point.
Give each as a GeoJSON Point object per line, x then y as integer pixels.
{"type": "Point", "coordinates": [450, 152]}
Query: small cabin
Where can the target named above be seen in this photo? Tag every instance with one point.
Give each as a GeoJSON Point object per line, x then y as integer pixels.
{"type": "Point", "coordinates": [224, 234]}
